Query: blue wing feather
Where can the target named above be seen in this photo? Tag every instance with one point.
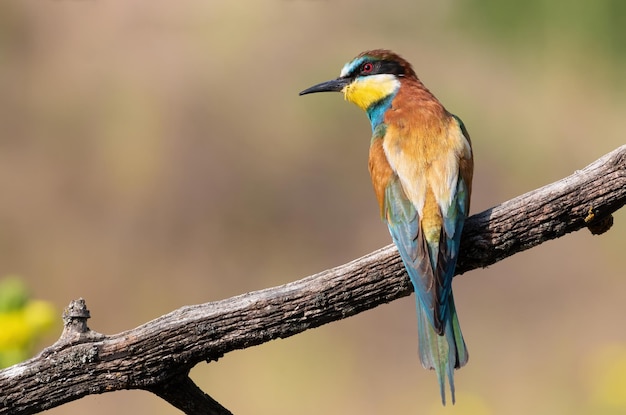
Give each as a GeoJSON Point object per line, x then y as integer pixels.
{"type": "Point", "coordinates": [431, 269]}
{"type": "Point", "coordinates": [437, 272]}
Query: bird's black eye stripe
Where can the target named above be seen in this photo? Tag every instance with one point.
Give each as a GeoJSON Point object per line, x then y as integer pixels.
{"type": "Point", "coordinates": [390, 67]}
{"type": "Point", "coordinates": [380, 67]}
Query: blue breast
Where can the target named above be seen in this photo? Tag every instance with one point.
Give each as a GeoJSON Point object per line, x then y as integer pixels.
{"type": "Point", "coordinates": [376, 111]}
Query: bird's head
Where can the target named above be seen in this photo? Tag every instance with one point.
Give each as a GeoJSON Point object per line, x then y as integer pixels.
{"type": "Point", "coordinates": [369, 79]}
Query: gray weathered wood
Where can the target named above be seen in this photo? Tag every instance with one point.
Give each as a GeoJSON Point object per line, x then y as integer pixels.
{"type": "Point", "coordinates": [158, 355]}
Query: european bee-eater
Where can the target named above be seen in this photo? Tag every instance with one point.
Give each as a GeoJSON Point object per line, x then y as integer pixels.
{"type": "Point", "coordinates": [421, 165]}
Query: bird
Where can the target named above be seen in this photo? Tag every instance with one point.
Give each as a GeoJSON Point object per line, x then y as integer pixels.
{"type": "Point", "coordinates": [421, 165]}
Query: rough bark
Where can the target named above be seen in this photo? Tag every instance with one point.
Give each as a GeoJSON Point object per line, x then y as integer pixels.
{"type": "Point", "coordinates": [158, 355]}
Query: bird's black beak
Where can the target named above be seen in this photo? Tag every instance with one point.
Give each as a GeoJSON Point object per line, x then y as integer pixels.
{"type": "Point", "coordinates": [328, 86]}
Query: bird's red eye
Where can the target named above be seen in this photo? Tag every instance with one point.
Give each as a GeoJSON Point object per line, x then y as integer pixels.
{"type": "Point", "coordinates": [367, 67]}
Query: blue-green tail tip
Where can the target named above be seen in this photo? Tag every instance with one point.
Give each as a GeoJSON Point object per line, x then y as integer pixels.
{"type": "Point", "coordinates": [443, 353]}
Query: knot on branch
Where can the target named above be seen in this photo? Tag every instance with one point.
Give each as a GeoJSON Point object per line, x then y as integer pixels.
{"type": "Point", "coordinates": [75, 323]}
{"type": "Point", "coordinates": [75, 317]}
{"type": "Point", "coordinates": [597, 223]}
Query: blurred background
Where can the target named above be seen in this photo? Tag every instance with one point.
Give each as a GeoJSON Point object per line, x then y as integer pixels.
{"type": "Point", "coordinates": [155, 154]}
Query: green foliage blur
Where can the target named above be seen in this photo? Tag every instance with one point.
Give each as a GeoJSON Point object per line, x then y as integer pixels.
{"type": "Point", "coordinates": [23, 321]}
{"type": "Point", "coordinates": [593, 30]}
{"type": "Point", "coordinates": [599, 23]}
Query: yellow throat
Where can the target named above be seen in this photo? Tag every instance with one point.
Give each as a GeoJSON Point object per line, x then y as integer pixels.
{"type": "Point", "coordinates": [370, 89]}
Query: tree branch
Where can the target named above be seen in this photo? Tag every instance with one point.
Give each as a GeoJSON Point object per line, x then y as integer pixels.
{"type": "Point", "coordinates": [158, 355]}
{"type": "Point", "coordinates": [188, 397]}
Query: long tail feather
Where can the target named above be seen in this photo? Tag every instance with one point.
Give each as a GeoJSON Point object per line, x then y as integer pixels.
{"type": "Point", "coordinates": [441, 353]}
